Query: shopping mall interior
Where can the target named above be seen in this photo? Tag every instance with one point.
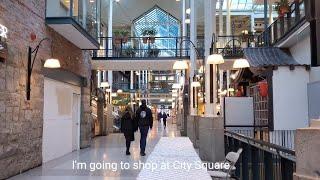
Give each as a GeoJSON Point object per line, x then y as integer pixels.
{"type": "Point", "coordinates": [227, 82]}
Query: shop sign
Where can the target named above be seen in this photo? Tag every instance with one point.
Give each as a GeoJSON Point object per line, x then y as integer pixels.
{"type": "Point", "coordinates": [3, 31]}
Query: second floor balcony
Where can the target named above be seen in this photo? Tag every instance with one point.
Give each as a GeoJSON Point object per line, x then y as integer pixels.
{"type": "Point", "coordinates": [145, 48]}
{"type": "Point", "coordinates": [76, 20]}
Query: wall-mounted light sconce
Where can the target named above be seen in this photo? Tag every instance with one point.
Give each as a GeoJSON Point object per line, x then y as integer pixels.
{"type": "Point", "coordinates": [49, 63]}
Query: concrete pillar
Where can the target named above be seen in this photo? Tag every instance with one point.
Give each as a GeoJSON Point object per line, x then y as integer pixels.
{"type": "Point", "coordinates": [211, 138]}
{"type": "Point", "coordinates": [228, 20]}
{"type": "Point", "coordinates": [110, 27]}
{"type": "Point", "coordinates": [307, 145]}
{"type": "Point", "coordinates": [193, 56]}
{"type": "Point", "coordinates": [209, 30]}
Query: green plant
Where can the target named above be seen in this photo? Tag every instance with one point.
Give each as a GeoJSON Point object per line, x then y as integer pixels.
{"type": "Point", "coordinates": [117, 33]}
{"type": "Point", "coordinates": [149, 32]}
{"type": "Point", "coordinates": [130, 51]}
{"type": "Point", "coordinates": [282, 7]}
{"type": "Point", "coordinates": [121, 33]}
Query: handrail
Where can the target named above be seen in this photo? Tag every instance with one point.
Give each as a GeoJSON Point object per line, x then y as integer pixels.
{"type": "Point", "coordinates": [271, 35]}
{"type": "Point", "coordinates": [261, 143]}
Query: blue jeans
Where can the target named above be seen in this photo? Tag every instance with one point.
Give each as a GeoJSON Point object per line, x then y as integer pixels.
{"type": "Point", "coordinates": [143, 139]}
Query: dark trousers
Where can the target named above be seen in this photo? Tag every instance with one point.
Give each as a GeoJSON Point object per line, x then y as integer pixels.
{"type": "Point", "coordinates": [164, 122]}
{"type": "Point", "coordinates": [143, 139]}
{"type": "Point", "coordinates": [128, 142]}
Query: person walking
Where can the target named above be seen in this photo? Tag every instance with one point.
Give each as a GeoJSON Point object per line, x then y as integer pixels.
{"type": "Point", "coordinates": [164, 119]}
{"type": "Point", "coordinates": [145, 121]}
{"type": "Point", "coordinates": [128, 127]}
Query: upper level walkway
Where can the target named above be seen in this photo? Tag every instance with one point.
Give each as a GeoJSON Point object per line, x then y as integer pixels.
{"type": "Point", "coordinates": [111, 149]}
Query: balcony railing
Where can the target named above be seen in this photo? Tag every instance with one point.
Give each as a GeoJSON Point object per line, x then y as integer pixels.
{"type": "Point", "coordinates": [260, 159]}
{"type": "Point", "coordinates": [232, 46]}
{"type": "Point", "coordinates": [283, 25]}
{"type": "Point", "coordinates": [144, 47]}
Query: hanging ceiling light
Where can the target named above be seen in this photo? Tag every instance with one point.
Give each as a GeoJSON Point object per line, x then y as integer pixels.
{"type": "Point", "coordinates": [114, 94]}
{"type": "Point", "coordinates": [215, 59]}
{"type": "Point", "coordinates": [241, 63]}
{"type": "Point", "coordinates": [104, 84]}
{"type": "Point", "coordinates": [195, 84]}
{"type": "Point", "coordinates": [188, 11]}
{"type": "Point", "coordinates": [119, 91]}
{"type": "Point", "coordinates": [180, 65]}
{"type": "Point", "coordinates": [162, 100]}
{"type": "Point", "coordinates": [187, 21]}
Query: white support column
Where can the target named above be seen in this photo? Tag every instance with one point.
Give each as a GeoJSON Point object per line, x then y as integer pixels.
{"type": "Point", "coordinates": [270, 13]}
{"type": "Point", "coordinates": [209, 29]}
{"type": "Point", "coordinates": [110, 80]}
{"type": "Point", "coordinates": [252, 22]}
{"type": "Point", "coordinates": [228, 81]}
{"type": "Point", "coordinates": [184, 25]}
{"type": "Point", "coordinates": [131, 87]}
{"type": "Point", "coordinates": [104, 76]}
{"type": "Point", "coordinates": [99, 78]}
{"type": "Point", "coordinates": [193, 56]}
{"type": "Point", "coordinates": [142, 79]}
{"type": "Point", "coordinates": [139, 79]}
{"type": "Point", "coordinates": [228, 20]}
{"type": "Point", "coordinates": [110, 27]}
{"type": "Point", "coordinates": [220, 18]}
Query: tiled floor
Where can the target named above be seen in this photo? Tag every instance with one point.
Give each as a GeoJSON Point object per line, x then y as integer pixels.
{"type": "Point", "coordinates": [109, 149]}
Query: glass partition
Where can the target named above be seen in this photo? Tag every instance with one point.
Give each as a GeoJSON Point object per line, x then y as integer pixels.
{"type": "Point", "coordinates": [85, 12]}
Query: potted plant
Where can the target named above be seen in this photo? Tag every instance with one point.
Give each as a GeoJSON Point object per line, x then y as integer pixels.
{"type": "Point", "coordinates": [149, 35]}
{"type": "Point", "coordinates": [130, 52]}
{"type": "Point", "coordinates": [154, 52]}
{"type": "Point", "coordinates": [125, 35]}
{"type": "Point", "coordinates": [120, 35]}
{"type": "Point", "coordinates": [117, 36]}
{"type": "Point", "coordinates": [282, 7]}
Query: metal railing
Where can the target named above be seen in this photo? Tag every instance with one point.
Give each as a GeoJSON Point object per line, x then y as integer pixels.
{"type": "Point", "coordinates": [283, 25]}
{"type": "Point", "coordinates": [232, 46]}
{"type": "Point", "coordinates": [145, 47]}
{"type": "Point", "coordinates": [259, 159]}
{"type": "Point", "coordinates": [283, 138]}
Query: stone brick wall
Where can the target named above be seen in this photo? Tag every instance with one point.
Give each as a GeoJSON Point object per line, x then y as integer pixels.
{"type": "Point", "coordinates": [21, 121]}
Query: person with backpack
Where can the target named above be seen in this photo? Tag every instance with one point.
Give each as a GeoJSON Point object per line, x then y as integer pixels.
{"type": "Point", "coordinates": [145, 121]}
{"type": "Point", "coordinates": [128, 127]}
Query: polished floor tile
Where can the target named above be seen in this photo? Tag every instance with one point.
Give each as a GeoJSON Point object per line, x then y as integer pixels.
{"type": "Point", "coordinates": [108, 150]}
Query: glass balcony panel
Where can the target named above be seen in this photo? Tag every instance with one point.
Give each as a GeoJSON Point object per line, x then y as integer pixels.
{"type": "Point", "coordinates": [85, 12]}
{"type": "Point", "coordinates": [58, 8]}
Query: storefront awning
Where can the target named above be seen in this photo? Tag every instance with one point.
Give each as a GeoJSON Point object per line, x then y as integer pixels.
{"type": "Point", "coordinates": [268, 56]}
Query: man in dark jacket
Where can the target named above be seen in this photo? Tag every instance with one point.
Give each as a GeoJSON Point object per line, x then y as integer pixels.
{"type": "Point", "coordinates": [145, 121]}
